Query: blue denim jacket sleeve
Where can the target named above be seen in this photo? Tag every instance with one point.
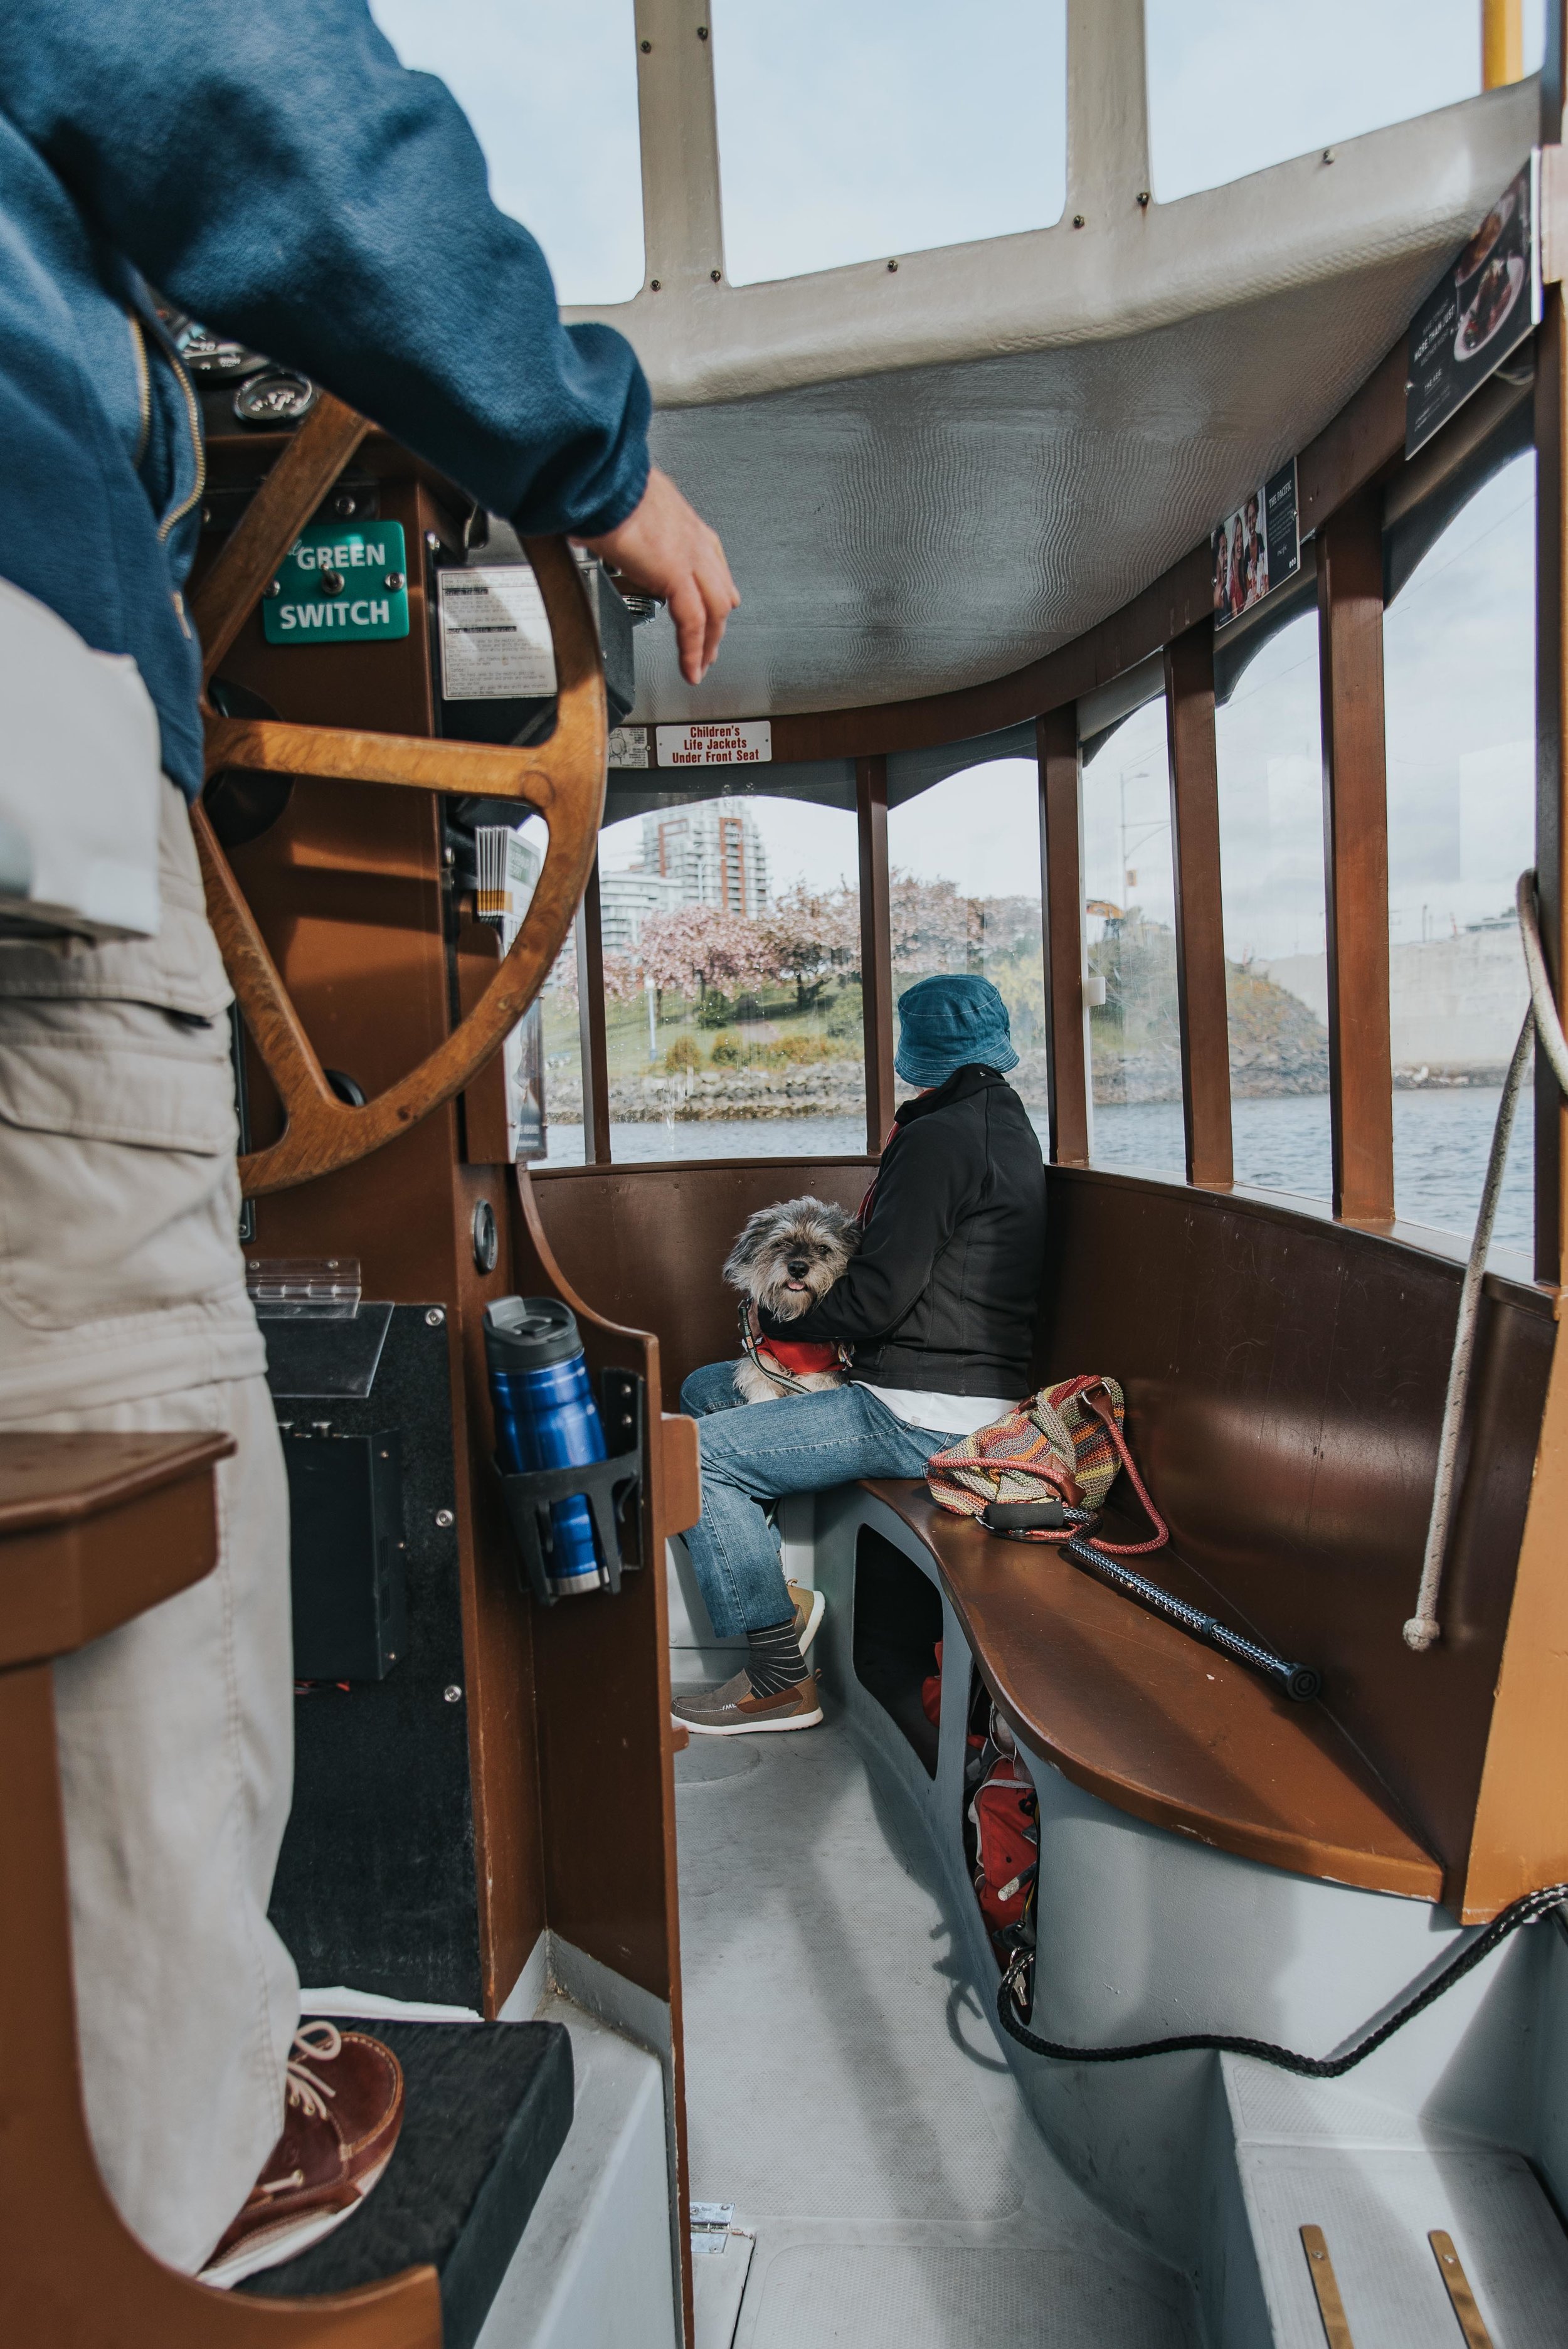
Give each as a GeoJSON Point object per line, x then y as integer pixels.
{"type": "Point", "coordinates": [272, 167]}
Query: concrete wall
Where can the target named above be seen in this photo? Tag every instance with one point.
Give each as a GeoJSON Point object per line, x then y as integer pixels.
{"type": "Point", "coordinates": [1455, 1003]}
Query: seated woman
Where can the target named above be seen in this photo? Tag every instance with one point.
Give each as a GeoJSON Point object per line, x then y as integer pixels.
{"type": "Point", "coordinates": [938, 1305]}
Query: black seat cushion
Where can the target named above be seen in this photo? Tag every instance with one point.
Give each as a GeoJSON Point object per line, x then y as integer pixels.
{"type": "Point", "coordinates": [487, 2108]}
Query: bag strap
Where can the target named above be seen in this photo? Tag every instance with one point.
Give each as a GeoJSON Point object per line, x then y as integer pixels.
{"type": "Point", "coordinates": [1091, 1394]}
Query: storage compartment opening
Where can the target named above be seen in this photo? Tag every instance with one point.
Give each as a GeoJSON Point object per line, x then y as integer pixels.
{"type": "Point", "coordinates": [898, 1623]}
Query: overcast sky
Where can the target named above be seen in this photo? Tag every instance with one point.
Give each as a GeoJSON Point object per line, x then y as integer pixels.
{"type": "Point", "coordinates": [853, 127]}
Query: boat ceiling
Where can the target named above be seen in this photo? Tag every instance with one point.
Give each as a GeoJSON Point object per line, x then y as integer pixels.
{"type": "Point", "coordinates": [926, 478]}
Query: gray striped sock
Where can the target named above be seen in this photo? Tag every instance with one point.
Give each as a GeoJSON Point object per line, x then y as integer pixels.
{"type": "Point", "coordinates": [773, 1659]}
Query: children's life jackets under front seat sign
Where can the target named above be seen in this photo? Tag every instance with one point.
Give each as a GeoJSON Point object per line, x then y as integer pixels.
{"type": "Point", "coordinates": [337, 586]}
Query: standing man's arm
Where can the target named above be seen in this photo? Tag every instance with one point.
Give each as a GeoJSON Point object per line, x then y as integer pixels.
{"type": "Point", "coordinates": [271, 166]}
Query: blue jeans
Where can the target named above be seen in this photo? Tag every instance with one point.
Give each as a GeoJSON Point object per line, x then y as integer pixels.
{"type": "Point", "coordinates": [756, 1453]}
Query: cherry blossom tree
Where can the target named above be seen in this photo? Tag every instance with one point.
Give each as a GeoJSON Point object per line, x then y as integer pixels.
{"type": "Point", "coordinates": [698, 949]}
{"type": "Point", "coordinates": [811, 936]}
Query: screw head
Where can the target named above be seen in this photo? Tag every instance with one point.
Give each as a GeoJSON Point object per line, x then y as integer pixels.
{"type": "Point", "coordinates": [716, 275]}
{"type": "Point", "coordinates": [434, 1317]}
{"type": "Point", "coordinates": [645, 46]}
{"type": "Point", "coordinates": [452, 1693]}
{"type": "Point", "coordinates": [702, 32]}
{"type": "Point", "coordinates": [892, 264]}
{"type": "Point", "coordinates": [654, 286]}
{"type": "Point", "coordinates": [394, 580]}
{"type": "Point", "coordinates": [344, 503]}
{"type": "Point", "coordinates": [1078, 219]}
{"type": "Point", "coordinates": [276, 587]}
{"type": "Point", "coordinates": [445, 1519]}
{"type": "Point", "coordinates": [1143, 199]}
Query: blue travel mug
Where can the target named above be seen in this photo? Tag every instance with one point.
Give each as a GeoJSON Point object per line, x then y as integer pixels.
{"type": "Point", "coordinates": [546, 1417]}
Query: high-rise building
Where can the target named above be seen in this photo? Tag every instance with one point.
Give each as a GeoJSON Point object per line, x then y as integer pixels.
{"type": "Point", "coordinates": [713, 850]}
{"type": "Point", "coordinates": [625, 901]}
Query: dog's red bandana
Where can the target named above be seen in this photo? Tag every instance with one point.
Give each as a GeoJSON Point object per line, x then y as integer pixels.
{"type": "Point", "coordinates": [799, 1359]}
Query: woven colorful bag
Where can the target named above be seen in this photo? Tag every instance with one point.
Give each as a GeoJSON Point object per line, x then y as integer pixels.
{"type": "Point", "coordinates": [1065, 1443]}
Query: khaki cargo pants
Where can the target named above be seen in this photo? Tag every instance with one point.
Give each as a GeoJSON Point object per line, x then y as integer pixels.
{"type": "Point", "coordinates": [122, 1306]}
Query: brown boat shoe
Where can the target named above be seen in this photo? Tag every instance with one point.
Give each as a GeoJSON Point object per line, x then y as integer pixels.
{"type": "Point", "coordinates": [732, 1711]}
{"type": "Point", "coordinates": [345, 2110]}
{"type": "Point", "coordinates": [810, 1607]}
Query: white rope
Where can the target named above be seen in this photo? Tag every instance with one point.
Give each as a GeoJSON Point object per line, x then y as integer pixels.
{"type": "Point", "coordinates": [1541, 1020]}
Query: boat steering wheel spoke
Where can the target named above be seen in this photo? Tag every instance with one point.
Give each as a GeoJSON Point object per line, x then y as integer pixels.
{"type": "Point", "coordinates": [561, 780]}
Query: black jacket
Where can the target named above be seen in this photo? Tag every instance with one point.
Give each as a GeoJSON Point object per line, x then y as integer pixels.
{"type": "Point", "coordinates": [943, 1292]}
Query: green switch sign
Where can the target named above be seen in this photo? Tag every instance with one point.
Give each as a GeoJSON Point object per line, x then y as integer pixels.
{"type": "Point", "coordinates": [340, 586]}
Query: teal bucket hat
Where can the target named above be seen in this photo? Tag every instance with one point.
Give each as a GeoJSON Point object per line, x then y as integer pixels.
{"type": "Point", "coordinates": [947, 1021]}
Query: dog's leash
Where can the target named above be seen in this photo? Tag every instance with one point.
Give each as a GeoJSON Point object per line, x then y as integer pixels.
{"type": "Point", "coordinates": [773, 1369]}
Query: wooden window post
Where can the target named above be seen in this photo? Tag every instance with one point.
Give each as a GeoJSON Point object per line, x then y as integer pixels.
{"type": "Point", "coordinates": [1061, 910]}
{"type": "Point", "coordinates": [1199, 918]}
{"type": "Point", "coordinates": [592, 1038]}
{"type": "Point", "coordinates": [1355, 859]}
{"type": "Point", "coordinates": [876, 947]}
{"type": "Point", "coordinates": [1550, 691]}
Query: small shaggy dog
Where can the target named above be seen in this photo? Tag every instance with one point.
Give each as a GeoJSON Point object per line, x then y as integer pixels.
{"type": "Point", "coordinates": [787, 1257]}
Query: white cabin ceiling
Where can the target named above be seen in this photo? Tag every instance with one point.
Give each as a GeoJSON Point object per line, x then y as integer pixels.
{"type": "Point", "coordinates": [926, 476]}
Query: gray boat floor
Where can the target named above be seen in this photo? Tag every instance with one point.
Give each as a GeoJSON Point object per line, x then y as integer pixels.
{"type": "Point", "coordinates": [845, 2092]}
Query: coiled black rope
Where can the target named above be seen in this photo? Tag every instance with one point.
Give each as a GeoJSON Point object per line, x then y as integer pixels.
{"type": "Point", "coordinates": [1523, 1911]}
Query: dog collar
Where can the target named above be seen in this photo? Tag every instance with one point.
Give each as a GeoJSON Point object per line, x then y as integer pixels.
{"type": "Point", "coordinates": [801, 1357]}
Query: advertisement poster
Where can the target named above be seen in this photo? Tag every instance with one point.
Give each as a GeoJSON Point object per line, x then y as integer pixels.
{"type": "Point", "coordinates": [1256, 548]}
{"type": "Point", "coordinates": [1479, 312]}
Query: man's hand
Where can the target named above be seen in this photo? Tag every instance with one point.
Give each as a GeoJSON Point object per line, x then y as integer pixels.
{"type": "Point", "coordinates": [664, 548]}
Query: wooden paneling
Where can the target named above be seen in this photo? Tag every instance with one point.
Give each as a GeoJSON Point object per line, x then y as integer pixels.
{"type": "Point", "coordinates": [647, 1243]}
{"type": "Point", "coordinates": [602, 1694]}
{"type": "Point", "coordinates": [1550, 732]}
{"type": "Point", "coordinates": [1521, 1837]}
{"type": "Point", "coordinates": [1355, 860]}
{"type": "Point", "coordinates": [129, 1530]}
{"type": "Point", "coordinates": [347, 887]}
{"type": "Point", "coordinates": [1199, 912]}
{"type": "Point", "coordinates": [590, 1031]}
{"type": "Point", "coordinates": [1061, 906]}
{"type": "Point", "coordinates": [1284, 1378]}
{"type": "Point", "coordinates": [876, 945]}
{"type": "Point", "coordinates": [481, 1105]}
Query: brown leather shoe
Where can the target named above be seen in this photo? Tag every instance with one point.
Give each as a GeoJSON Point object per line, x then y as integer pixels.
{"type": "Point", "coordinates": [345, 2110]}
{"type": "Point", "coordinates": [733, 1711]}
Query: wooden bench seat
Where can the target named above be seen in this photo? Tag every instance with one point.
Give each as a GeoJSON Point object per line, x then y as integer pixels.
{"type": "Point", "coordinates": [1135, 1712]}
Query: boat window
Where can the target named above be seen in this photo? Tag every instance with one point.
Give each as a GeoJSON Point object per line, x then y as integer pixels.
{"type": "Point", "coordinates": [564, 1142]}
{"type": "Point", "coordinates": [732, 980]}
{"type": "Point", "coordinates": [858, 134]}
{"type": "Point", "coordinates": [1234, 88]}
{"type": "Point", "coordinates": [964, 860]}
{"type": "Point", "coordinates": [1459, 688]}
{"type": "Point", "coordinates": [1135, 1051]}
{"type": "Point", "coordinates": [1269, 747]}
{"type": "Point", "coordinates": [532, 77]}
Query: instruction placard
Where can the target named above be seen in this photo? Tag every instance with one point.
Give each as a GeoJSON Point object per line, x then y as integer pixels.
{"type": "Point", "coordinates": [495, 637]}
{"type": "Point", "coordinates": [732, 742]}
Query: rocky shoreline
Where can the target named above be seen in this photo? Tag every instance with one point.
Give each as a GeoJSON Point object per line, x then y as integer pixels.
{"type": "Point", "coordinates": [837, 1088]}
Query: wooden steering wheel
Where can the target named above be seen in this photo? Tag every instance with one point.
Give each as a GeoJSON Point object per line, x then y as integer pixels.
{"type": "Point", "coordinates": [561, 780]}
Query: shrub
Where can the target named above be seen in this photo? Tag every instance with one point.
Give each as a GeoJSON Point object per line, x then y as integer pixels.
{"type": "Point", "coordinates": [726, 1052]}
{"type": "Point", "coordinates": [684, 1053]}
{"type": "Point", "coordinates": [846, 1020]}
